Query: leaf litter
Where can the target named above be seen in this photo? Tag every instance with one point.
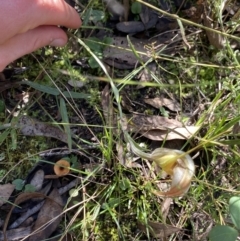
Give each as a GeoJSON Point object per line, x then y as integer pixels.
{"type": "Point", "coordinates": [158, 102]}
{"type": "Point", "coordinates": [5, 192]}
{"type": "Point", "coordinates": [36, 215]}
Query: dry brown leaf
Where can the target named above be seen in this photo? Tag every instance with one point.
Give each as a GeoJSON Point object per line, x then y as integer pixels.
{"type": "Point", "coordinates": [37, 180]}
{"type": "Point", "coordinates": [146, 74]}
{"type": "Point", "coordinates": [105, 101]}
{"type": "Point", "coordinates": [176, 133]}
{"type": "Point", "coordinates": [16, 234]}
{"type": "Point", "coordinates": [160, 128]}
{"type": "Point", "coordinates": [120, 55]}
{"type": "Point", "coordinates": [161, 101]}
{"type": "Point", "coordinates": [236, 129]}
{"type": "Point", "coordinates": [215, 39]}
{"type": "Point", "coordinates": [67, 237]}
{"type": "Point", "coordinates": [31, 127]}
{"type": "Point", "coordinates": [145, 123]}
{"type": "Point", "coordinates": [194, 13]}
{"type": "Point", "coordinates": [158, 230]}
{"type": "Point", "coordinates": [145, 14]}
{"type": "Point", "coordinates": [165, 206]}
{"type": "Point", "coordinates": [115, 7]}
{"type": "Point", "coordinates": [126, 6]}
{"type": "Point", "coordinates": [120, 153]}
{"type": "Point", "coordinates": [76, 83]}
{"type": "Point", "coordinates": [171, 144]}
{"type": "Point", "coordinates": [107, 107]}
{"type": "Point", "coordinates": [5, 192]}
{"type": "Point", "coordinates": [20, 199]}
{"type": "Point", "coordinates": [48, 218]}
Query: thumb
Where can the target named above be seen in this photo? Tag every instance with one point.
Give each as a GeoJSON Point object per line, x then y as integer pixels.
{"type": "Point", "coordinates": [30, 41]}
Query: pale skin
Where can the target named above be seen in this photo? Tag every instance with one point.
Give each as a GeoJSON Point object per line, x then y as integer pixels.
{"type": "Point", "coordinates": [27, 25]}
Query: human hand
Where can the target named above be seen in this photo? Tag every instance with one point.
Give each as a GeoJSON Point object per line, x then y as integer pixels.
{"type": "Point", "coordinates": [26, 26]}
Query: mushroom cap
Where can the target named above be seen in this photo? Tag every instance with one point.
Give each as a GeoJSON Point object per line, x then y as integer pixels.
{"type": "Point", "coordinates": [62, 168]}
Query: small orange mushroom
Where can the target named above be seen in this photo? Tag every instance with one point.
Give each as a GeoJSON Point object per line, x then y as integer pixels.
{"type": "Point", "coordinates": [62, 168]}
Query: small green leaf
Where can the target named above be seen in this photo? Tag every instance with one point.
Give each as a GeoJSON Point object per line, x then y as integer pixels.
{"type": "Point", "coordinates": [74, 192]}
{"type": "Point", "coordinates": [93, 63]}
{"type": "Point", "coordinates": [55, 91]}
{"type": "Point", "coordinates": [42, 88]}
{"type": "Point", "coordinates": [65, 120]}
{"type": "Point", "coordinates": [223, 233]}
{"type": "Point", "coordinates": [113, 202]}
{"type": "Point", "coordinates": [96, 212]}
{"type": "Point", "coordinates": [234, 210]}
{"type": "Point", "coordinates": [29, 188]}
{"type": "Point", "coordinates": [164, 112]}
{"type": "Point", "coordinates": [94, 44]}
{"type": "Point", "coordinates": [92, 15]}
{"type": "Point", "coordinates": [86, 16]}
{"type": "Point", "coordinates": [97, 15]}
{"type": "Point", "coordinates": [75, 95]}
{"type": "Point", "coordinates": [19, 184]}
{"type": "Point", "coordinates": [136, 8]}
{"type": "Point", "coordinates": [4, 135]}
{"type": "Point", "coordinates": [73, 159]}
{"type": "Point", "coordinates": [105, 206]}
{"type": "Point", "coordinates": [14, 139]}
{"type": "Point", "coordinates": [74, 163]}
{"type": "Point", "coordinates": [107, 41]}
{"type": "Point", "coordinates": [125, 184]}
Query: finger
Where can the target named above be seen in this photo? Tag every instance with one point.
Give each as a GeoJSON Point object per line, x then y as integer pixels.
{"type": "Point", "coordinates": [30, 41]}
{"type": "Point", "coordinates": [58, 12]}
{"type": "Point", "coordinates": [21, 16]}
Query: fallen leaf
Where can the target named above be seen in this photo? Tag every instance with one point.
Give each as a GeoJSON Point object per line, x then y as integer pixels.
{"type": "Point", "coordinates": [236, 129]}
{"type": "Point", "coordinates": [107, 107]}
{"type": "Point", "coordinates": [37, 180]}
{"type": "Point", "coordinates": [176, 133]}
{"type": "Point", "coordinates": [5, 192]}
{"type": "Point", "coordinates": [194, 13]}
{"type": "Point", "coordinates": [158, 230]}
{"type": "Point", "coordinates": [20, 199]}
{"type": "Point", "coordinates": [26, 215]}
{"type": "Point", "coordinates": [120, 153]}
{"type": "Point", "coordinates": [171, 144]}
{"type": "Point", "coordinates": [76, 83]}
{"type": "Point", "coordinates": [66, 237]}
{"type": "Point", "coordinates": [161, 101]}
{"type": "Point", "coordinates": [159, 128]}
{"type": "Point", "coordinates": [115, 7]}
{"type": "Point", "coordinates": [165, 206]}
{"type": "Point", "coordinates": [215, 39]}
{"type": "Point", "coordinates": [147, 74]}
{"type": "Point", "coordinates": [126, 6]}
{"type": "Point", "coordinates": [16, 234]}
{"type": "Point", "coordinates": [145, 14]}
{"type": "Point", "coordinates": [48, 218]}
{"type": "Point", "coordinates": [32, 127]}
{"type": "Point", "coordinates": [145, 123]}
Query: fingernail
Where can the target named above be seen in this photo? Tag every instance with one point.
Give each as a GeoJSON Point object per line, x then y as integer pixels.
{"type": "Point", "coordinates": [58, 42]}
